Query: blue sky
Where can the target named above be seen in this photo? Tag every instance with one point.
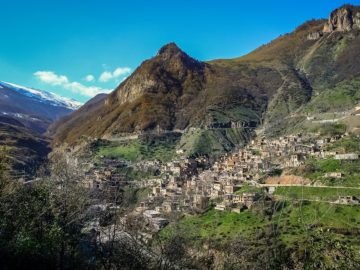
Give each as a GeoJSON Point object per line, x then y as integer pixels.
{"type": "Point", "coordinates": [55, 45]}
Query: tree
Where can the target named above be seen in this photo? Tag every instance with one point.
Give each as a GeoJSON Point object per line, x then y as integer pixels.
{"type": "Point", "coordinates": [321, 249]}
{"type": "Point", "coordinates": [172, 252]}
{"type": "Point", "coordinates": [41, 221]}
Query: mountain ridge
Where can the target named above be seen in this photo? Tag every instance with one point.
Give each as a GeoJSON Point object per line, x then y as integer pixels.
{"type": "Point", "coordinates": [44, 96]}
{"type": "Point", "coordinates": [36, 109]}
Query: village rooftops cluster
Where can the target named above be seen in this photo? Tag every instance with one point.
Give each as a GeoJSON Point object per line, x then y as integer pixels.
{"type": "Point", "coordinates": [186, 187]}
{"type": "Point", "coordinates": [247, 166]}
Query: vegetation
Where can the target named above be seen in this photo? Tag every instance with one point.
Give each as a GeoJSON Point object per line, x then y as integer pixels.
{"type": "Point", "coordinates": [159, 148]}
{"type": "Point", "coordinates": [216, 225]}
{"type": "Point", "coordinates": [315, 193]}
{"type": "Point", "coordinates": [344, 96]}
{"type": "Point", "coordinates": [45, 225]}
{"type": "Point", "coordinates": [213, 142]}
{"type": "Point", "coordinates": [27, 150]}
{"type": "Point", "coordinates": [315, 169]}
{"type": "Point", "coordinates": [348, 144]}
{"type": "Point", "coordinates": [40, 226]}
{"type": "Point", "coordinates": [134, 174]}
{"type": "Point", "coordinates": [328, 129]}
{"type": "Point", "coordinates": [131, 197]}
{"type": "Point", "coordinates": [294, 235]}
{"type": "Point", "coordinates": [252, 189]}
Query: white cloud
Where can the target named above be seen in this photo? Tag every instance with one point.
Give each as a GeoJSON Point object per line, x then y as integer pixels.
{"type": "Point", "coordinates": [76, 87]}
{"type": "Point", "coordinates": [89, 91]}
{"type": "Point", "coordinates": [107, 76]}
{"type": "Point", "coordinates": [121, 71]}
{"type": "Point", "coordinates": [90, 78]}
{"type": "Point", "coordinates": [51, 78]}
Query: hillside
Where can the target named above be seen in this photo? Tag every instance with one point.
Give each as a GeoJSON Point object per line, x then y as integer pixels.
{"type": "Point", "coordinates": [26, 149]}
{"type": "Point", "coordinates": [173, 91]}
{"type": "Point", "coordinates": [66, 122]}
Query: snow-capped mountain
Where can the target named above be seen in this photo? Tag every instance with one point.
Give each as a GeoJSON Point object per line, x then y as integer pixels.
{"type": "Point", "coordinates": [35, 109]}
{"type": "Point", "coordinates": [44, 96]}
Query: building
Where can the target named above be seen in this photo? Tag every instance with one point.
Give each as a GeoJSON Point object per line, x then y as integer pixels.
{"type": "Point", "coordinates": [334, 175]}
{"type": "Point", "coordinates": [349, 200]}
{"type": "Point", "coordinates": [220, 207]}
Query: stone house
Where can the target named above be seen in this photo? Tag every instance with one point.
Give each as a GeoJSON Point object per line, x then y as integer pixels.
{"type": "Point", "coordinates": [220, 207]}
{"type": "Point", "coordinates": [349, 200]}
{"type": "Point", "coordinates": [334, 175]}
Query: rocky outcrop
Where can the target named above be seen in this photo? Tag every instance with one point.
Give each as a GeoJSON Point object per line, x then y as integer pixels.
{"type": "Point", "coordinates": [314, 35]}
{"type": "Point", "coordinates": [345, 18]}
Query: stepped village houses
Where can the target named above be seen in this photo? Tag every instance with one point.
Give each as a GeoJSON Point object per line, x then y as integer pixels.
{"type": "Point", "coordinates": [186, 186]}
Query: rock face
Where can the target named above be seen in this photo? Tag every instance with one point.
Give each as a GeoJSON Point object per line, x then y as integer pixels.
{"type": "Point", "coordinates": [314, 35]}
{"type": "Point", "coordinates": [345, 18]}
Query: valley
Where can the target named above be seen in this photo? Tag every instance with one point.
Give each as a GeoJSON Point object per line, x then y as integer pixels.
{"type": "Point", "coordinates": [243, 163]}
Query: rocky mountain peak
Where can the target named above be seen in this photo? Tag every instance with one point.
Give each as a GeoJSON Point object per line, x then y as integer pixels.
{"type": "Point", "coordinates": [177, 62]}
{"type": "Point", "coordinates": [175, 57]}
{"type": "Point", "coordinates": [345, 18]}
{"type": "Point", "coordinates": [171, 66]}
{"type": "Point", "coordinates": [169, 49]}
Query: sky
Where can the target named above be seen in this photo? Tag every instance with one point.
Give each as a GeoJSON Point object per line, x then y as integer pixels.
{"type": "Point", "coordinates": [80, 48]}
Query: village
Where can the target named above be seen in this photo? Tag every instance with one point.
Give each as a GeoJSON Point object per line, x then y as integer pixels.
{"type": "Point", "coordinates": [189, 185]}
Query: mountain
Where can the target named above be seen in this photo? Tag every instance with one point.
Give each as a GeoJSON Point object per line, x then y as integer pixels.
{"type": "Point", "coordinates": [170, 91]}
{"type": "Point", "coordinates": [173, 91]}
{"type": "Point", "coordinates": [36, 109]}
{"type": "Point", "coordinates": [69, 121]}
{"type": "Point", "coordinates": [26, 113]}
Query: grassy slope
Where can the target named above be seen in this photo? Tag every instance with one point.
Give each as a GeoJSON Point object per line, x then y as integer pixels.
{"type": "Point", "coordinates": [295, 219]}
{"type": "Point", "coordinates": [290, 220]}
{"type": "Point", "coordinates": [217, 225]}
{"type": "Point", "coordinates": [344, 96]}
{"type": "Point", "coordinates": [251, 189]}
{"type": "Point", "coordinates": [134, 150]}
{"type": "Point", "coordinates": [316, 193]}
{"type": "Point", "coordinates": [316, 169]}
{"type": "Point", "coordinates": [213, 141]}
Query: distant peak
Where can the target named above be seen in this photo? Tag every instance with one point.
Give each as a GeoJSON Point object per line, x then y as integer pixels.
{"type": "Point", "coordinates": [169, 49]}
